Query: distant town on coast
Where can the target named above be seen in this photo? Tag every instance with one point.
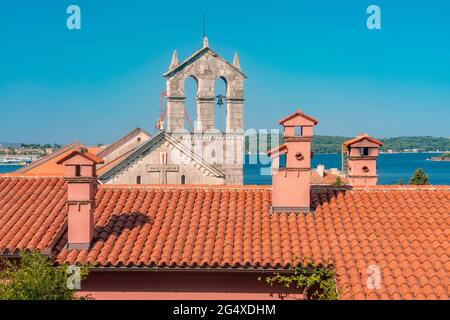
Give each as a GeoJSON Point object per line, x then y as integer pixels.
{"type": "Point", "coordinates": [27, 152]}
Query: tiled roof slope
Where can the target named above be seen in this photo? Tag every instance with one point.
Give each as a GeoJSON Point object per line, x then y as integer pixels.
{"type": "Point", "coordinates": [32, 213]}
{"type": "Point", "coordinates": [403, 230]}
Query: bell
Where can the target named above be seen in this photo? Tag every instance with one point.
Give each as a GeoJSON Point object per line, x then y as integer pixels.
{"type": "Point", "coordinates": [219, 100]}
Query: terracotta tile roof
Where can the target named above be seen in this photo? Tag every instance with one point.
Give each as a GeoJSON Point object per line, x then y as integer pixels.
{"type": "Point", "coordinates": [403, 230]}
{"type": "Point", "coordinates": [32, 213]}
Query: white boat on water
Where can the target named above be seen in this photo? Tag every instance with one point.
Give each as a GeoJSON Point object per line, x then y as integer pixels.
{"type": "Point", "coordinates": [15, 161]}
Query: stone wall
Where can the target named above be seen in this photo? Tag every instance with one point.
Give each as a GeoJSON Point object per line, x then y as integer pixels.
{"type": "Point", "coordinates": [225, 151]}
{"type": "Point", "coordinates": [145, 166]}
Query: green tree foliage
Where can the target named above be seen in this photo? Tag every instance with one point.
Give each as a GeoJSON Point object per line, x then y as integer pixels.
{"type": "Point", "coordinates": [419, 177]}
{"type": "Point", "coordinates": [328, 144]}
{"type": "Point", "coordinates": [425, 143]}
{"type": "Point", "coordinates": [32, 277]}
{"type": "Point", "coordinates": [316, 282]}
{"type": "Point", "coordinates": [338, 182]}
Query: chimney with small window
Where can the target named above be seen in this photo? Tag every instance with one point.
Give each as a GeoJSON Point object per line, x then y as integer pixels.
{"type": "Point", "coordinates": [80, 175]}
{"type": "Point", "coordinates": [362, 153]}
{"type": "Point", "coordinates": [291, 164]}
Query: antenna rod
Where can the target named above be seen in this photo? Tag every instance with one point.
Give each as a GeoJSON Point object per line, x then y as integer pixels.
{"type": "Point", "coordinates": [204, 25]}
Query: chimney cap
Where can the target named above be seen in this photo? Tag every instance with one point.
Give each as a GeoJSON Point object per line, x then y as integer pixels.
{"type": "Point", "coordinates": [298, 113]}
{"type": "Point", "coordinates": [360, 137]}
{"type": "Point", "coordinates": [83, 152]}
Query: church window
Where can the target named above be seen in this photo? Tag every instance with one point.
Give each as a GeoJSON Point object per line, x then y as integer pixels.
{"type": "Point", "coordinates": [298, 131]}
{"type": "Point", "coordinates": [139, 139]}
{"type": "Point", "coordinates": [364, 151]}
{"type": "Point", "coordinates": [138, 180]}
{"type": "Point", "coordinates": [183, 179]}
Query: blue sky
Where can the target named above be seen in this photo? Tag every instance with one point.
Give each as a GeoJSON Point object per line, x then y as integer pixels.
{"type": "Point", "coordinates": [98, 83]}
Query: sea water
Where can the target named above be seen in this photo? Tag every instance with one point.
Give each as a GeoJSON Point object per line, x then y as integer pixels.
{"type": "Point", "coordinates": [391, 167]}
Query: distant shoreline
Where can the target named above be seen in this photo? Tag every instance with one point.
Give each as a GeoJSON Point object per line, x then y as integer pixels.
{"type": "Point", "coordinates": [439, 159]}
{"type": "Point", "coordinates": [395, 152]}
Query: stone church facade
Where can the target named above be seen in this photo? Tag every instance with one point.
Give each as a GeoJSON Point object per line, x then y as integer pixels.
{"type": "Point", "coordinates": [177, 155]}
{"type": "Point", "coordinates": [162, 160]}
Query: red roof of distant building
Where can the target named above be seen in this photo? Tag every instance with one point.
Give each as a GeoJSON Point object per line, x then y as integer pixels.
{"type": "Point", "coordinates": [328, 178]}
{"type": "Point", "coordinates": [404, 230]}
{"type": "Point", "coordinates": [48, 165]}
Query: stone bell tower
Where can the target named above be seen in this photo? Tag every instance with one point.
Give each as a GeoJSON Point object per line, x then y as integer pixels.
{"type": "Point", "coordinates": [205, 66]}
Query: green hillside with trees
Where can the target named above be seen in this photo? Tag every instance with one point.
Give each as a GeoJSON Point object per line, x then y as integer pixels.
{"type": "Point", "coordinates": [332, 144]}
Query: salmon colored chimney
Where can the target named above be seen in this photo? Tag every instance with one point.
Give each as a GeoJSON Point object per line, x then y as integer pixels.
{"type": "Point", "coordinates": [362, 154]}
{"type": "Point", "coordinates": [81, 177]}
{"type": "Point", "coordinates": [291, 164]}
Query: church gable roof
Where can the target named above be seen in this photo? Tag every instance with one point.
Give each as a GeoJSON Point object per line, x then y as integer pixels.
{"type": "Point", "coordinates": [148, 145]}
{"type": "Point", "coordinates": [123, 140]}
{"type": "Point", "coordinates": [197, 55]}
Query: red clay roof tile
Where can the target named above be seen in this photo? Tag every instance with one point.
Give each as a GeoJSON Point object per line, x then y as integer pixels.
{"type": "Point", "coordinates": [403, 230]}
